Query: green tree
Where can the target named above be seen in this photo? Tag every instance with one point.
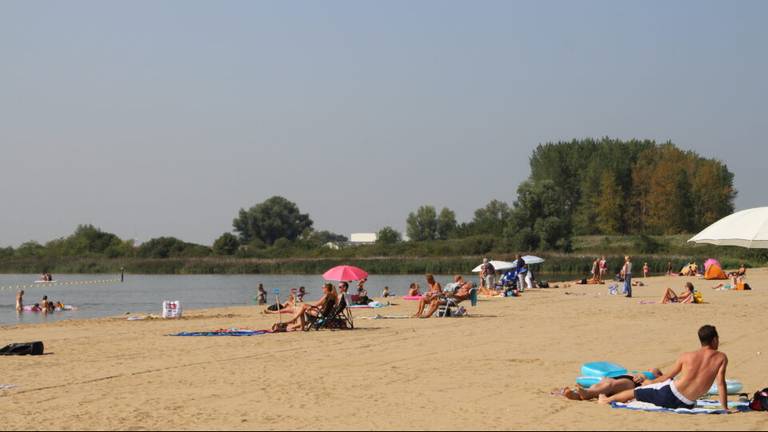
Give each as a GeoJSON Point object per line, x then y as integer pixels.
{"type": "Point", "coordinates": [226, 244]}
{"type": "Point", "coordinates": [30, 249]}
{"type": "Point", "coordinates": [323, 237]}
{"type": "Point", "coordinates": [683, 203]}
{"type": "Point", "coordinates": [270, 220]}
{"type": "Point", "coordinates": [539, 218]}
{"type": "Point", "coordinates": [388, 236]}
{"type": "Point", "coordinates": [645, 174]}
{"type": "Point", "coordinates": [609, 205]}
{"type": "Point", "coordinates": [422, 225]}
{"type": "Point", "coordinates": [446, 223]}
{"type": "Point", "coordinates": [170, 247]}
{"type": "Point", "coordinates": [491, 219]}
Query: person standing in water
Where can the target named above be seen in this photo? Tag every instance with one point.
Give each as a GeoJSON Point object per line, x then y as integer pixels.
{"type": "Point", "coordinates": [20, 301]}
{"type": "Point", "coordinates": [262, 295]}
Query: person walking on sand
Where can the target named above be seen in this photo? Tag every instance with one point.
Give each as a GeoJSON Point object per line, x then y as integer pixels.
{"type": "Point", "coordinates": [646, 270]}
{"type": "Point", "coordinates": [698, 370]}
{"type": "Point", "coordinates": [626, 273]}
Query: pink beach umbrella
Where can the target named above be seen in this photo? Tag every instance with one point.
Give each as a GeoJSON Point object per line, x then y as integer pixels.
{"type": "Point", "coordinates": [711, 261]}
{"type": "Point", "coordinates": [345, 273]}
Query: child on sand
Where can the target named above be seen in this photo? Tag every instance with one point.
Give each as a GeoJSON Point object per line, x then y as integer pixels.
{"type": "Point", "coordinates": [646, 270]}
{"type": "Point", "coordinates": [301, 294]}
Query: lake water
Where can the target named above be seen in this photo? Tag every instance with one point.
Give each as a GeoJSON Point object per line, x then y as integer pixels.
{"type": "Point", "coordinates": [98, 296]}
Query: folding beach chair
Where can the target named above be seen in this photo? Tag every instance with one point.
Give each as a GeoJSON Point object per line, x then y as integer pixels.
{"type": "Point", "coordinates": [333, 316]}
{"type": "Point", "coordinates": [452, 305]}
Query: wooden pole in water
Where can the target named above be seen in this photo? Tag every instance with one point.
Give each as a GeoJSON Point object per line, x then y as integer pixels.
{"type": "Point", "coordinates": [277, 300]}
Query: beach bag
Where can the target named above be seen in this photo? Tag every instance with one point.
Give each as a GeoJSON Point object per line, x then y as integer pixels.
{"type": "Point", "coordinates": [171, 309]}
{"type": "Point", "coordinates": [698, 297]}
{"type": "Point", "coordinates": [760, 401]}
{"type": "Point", "coordinates": [27, 348]}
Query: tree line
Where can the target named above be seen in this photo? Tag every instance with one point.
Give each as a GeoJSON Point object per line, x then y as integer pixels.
{"type": "Point", "coordinates": [581, 187]}
{"type": "Point", "coordinates": [610, 186]}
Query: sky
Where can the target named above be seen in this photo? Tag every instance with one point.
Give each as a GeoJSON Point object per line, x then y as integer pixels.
{"type": "Point", "coordinates": [152, 118]}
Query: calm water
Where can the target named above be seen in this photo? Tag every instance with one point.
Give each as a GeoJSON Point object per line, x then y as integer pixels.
{"type": "Point", "coordinates": [145, 293]}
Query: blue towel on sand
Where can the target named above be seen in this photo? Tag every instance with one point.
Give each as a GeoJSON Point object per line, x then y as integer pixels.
{"type": "Point", "coordinates": [702, 407]}
{"type": "Point", "coordinates": [224, 332]}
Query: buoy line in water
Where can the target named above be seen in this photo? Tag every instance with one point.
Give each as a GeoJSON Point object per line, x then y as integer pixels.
{"type": "Point", "coordinates": [58, 284]}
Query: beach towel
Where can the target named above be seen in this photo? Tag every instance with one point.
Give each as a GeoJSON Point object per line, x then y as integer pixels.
{"type": "Point", "coordinates": [377, 317]}
{"type": "Point", "coordinates": [7, 386]}
{"type": "Point", "coordinates": [702, 407]}
{"type": "Point", "coordinates": [224, 332]}
{"type": "Point", "coordinates": [371, 305]}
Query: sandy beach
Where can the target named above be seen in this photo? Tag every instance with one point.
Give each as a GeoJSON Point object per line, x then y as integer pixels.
{"type": "Point", "coordinates": [492, 370]}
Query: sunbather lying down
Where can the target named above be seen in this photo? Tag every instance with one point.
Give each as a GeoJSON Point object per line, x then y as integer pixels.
{"type": "Point", "coordinates": [608, 386]}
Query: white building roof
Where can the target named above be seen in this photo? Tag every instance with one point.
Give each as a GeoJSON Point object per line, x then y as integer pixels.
{"type": "Point", "coordinates": [363, 237]}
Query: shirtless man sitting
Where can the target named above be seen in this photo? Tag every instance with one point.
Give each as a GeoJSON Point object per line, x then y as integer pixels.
{"type": "Point", "coordinates": [699, 369]}
{"type": "Point", "coordinates": [609, 386]}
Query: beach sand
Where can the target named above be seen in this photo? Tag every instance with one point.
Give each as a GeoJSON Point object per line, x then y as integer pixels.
{"type": "Point", "coordinates": [492, 370]}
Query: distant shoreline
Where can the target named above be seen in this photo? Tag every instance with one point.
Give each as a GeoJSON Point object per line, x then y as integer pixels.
{"type": "Point", "coordinates": [555, 264]}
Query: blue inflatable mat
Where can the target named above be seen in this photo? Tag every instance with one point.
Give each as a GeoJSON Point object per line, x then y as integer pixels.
{"type": "Point", "coordinates": [602, 369]}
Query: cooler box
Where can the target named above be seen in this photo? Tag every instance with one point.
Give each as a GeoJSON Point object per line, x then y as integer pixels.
{"type": "Point", "coordinates": [172, 309]}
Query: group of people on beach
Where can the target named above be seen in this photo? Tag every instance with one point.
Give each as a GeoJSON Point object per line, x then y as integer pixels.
{"type": "Point", "coordinates": [456, 292]}
{"type": "Point", "coordinates": [511, 282]}
{"type": "Point", "coordinates": [296, 297]}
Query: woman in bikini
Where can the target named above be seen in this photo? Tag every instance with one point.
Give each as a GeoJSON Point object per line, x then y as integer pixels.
{"type": "Point", "coordinates": [287, 307]}
{"type": "Point", "coordinates": [671, 297]}
{"type": "Point", "coordinates": [435, 290]}
{"type": "Point", "coordinates": [304, 310]}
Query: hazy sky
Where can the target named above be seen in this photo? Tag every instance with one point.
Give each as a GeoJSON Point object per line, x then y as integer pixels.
{"type": "Point", "coordinates": [151, 118]}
